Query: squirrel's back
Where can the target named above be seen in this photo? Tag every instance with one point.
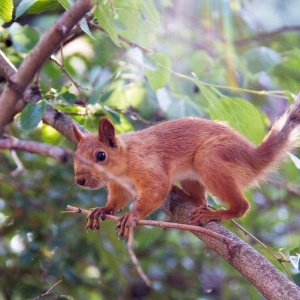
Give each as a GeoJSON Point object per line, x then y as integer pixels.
{"type": "Point", "coordinates": [180, 139]}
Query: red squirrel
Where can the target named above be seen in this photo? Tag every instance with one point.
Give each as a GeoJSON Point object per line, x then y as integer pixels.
{"type": "Point", "coordinates": [201, 155]}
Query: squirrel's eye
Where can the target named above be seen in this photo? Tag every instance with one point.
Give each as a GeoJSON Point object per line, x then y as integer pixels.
{"type": "Point", "coordinates": [100, 156]}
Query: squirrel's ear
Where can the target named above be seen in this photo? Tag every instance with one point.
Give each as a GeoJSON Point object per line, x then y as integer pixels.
{"type": "Point", "coordinates": [77, 133]}
{"type": "Point", "coordinates": [106, 132]}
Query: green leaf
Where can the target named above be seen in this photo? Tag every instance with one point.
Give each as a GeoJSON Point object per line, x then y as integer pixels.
{"type": "Point", "coordinates": [24, 6]}
{"type": "Point", "coordinates": [100, 93]}
{"type": "Point", "coordinates": [64, 89]}
{"type": "Point", "coordinates": [32, 114]}
{"type": "Point", "coordinates": [68, 98]}
{"type": "Point", "coordinates": [119, 25]}
{"type": "Point", "coordinates": [159, 76]}
{"type": "Point", "coordinates": [243, 116]}
{"type": "Point", "coordinates": [149, 12]}
{"type": "Point", "coordinates": [85, 27]}
{"type": "Point", "coordinates": [41, 5]}
{"type": "Point", "coordinates": [149, 63]}
{"type": "Point", "coordinates": [105, 18]}
{"type": "Point", "coordinates": [137, 30]}
{"type": "Point", "coordinates": [239, 113]}
{"type": "Point", "coordinates": [295, 160]}
{"type": "Point", "coordinates": [66, 3]}
{"type": "Point", "coordinates": [295, 251]}
{"type": "Point", "coordinates": [211, 99]}
{"type": "Point", "coordinates": [105, 96]}
{"type": "Point", "coordinates": [6, 9]}
{"type": "Point", "coordinates": [183, 108]}
{"type": "Point", "coordinates": [261, 59]}
{"type": "Point", "coordinates": [112, 114]}
{"type": "Point", "coordinates": [134, 19]}
{"type": "Point", "coordinates": [295, 258]}
{"type": "Point", "coordinates": [287, 73]}
{"type": "Point", "coordinates": [24, 38]}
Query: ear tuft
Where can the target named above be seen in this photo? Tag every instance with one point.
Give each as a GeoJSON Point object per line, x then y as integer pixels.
{"type": "Point", "coordinates": [107, 133]}
{"type": "Point", "coordinates": [77, 133]}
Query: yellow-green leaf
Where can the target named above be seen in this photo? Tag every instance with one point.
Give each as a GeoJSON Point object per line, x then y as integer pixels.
{"type": "Point", "coordinates": [239, 113]}
{"type": "Point", "coordinates": [105, 18]}
{"type": "Point", "coordinates": [157, 69]}
{"type": "Point", "coordinates": [41, 5]}
{"type": "Point", "coordinates": [149, 12]}
{"type": "Point", "coordinates": [66, 3]}
{"type": "Point", "coordinates": [6, 9]}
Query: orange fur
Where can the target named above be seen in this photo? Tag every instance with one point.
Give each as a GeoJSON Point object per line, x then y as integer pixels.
{"type": "Point", "coordinates": [202, 155]}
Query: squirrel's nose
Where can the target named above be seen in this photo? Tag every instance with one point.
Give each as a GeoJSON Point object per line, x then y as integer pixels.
{"type": "Point", "coordinates": [80, 181]}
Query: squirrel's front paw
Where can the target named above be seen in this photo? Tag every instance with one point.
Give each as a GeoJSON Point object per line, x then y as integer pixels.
{"type": "Point", "coordinates": [127, 222]}
{"type": "Point", "coordinates": [95, 214]}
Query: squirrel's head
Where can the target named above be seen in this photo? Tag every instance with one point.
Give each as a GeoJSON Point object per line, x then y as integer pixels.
{"type": "Point", "coordinates": [103, 148]}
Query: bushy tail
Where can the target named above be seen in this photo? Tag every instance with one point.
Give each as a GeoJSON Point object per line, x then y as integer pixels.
{"type": "Point", "coordinates": [281, 138]}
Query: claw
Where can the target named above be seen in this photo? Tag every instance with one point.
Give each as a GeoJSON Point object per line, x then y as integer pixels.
{"type": "Point", "coordinates": [95, 214]}
{"type": "Point", "coordinates": [102, 216]}
{"type": "Point", "coordinates": [127, 221]}
{"type": "Point", "coordinates": [96, 224]}
{"type": "Point", "coordinates": [89, 224]}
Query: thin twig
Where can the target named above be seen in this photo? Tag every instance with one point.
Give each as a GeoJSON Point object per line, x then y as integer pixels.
{"type": "Point", "coordinates": [246, 232]}
{"type": "Point", "coordinates": [279, 94]}
{"type": "Point", "coordinates": [265, 35]}
{"type": "Point", "coordinates": [161, 224]}
{"type": "Point", "coordinates": [49, 292]}
{"type": "Point", "coordinates": [20, 167]}
{"type": "Point", "coordinates": [133, 115]}
{"type": "Point", "coordinates": [134, 259]}
{"type": "Point", "coordinates": [62, 155]}
{"type": "Point", "coordinates": [62, 67]}
{"type": "Point", "coordinates": [127, 41]}
{"type": "Point", "coordinates": [112, 7]}
{"type": "Point", "coordinates": [7, 67]}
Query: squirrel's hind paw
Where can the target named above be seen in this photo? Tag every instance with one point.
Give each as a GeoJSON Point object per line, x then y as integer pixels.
{"type": "Point", "coordinates": [202, 215]}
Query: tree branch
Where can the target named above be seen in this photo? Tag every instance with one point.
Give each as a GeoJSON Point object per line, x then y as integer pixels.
{"type": "Point", "coordinates": [135, 261]}
{"type": "Point", "coordinates": [252, 265]}
{"type": "Point", "coordinates": [61, 122]}
{"type": "Point", "coordinates": [62, 155]}
{"type": "Point", "coordinates": [12, 143]}
{"type": "Point", "coordinates": [161, 224]}
{"type": "Point", "coordinates": [94, 26]}
{"type": "Point", "coordinates": [263, 275]}
{"type": "Point", "coordinates": [265, 35]}
{"type": "Point", "coordinates": [49, 42]}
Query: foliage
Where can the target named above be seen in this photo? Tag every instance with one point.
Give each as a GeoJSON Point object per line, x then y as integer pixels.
{"type": "Point", "coordinates": [215, 59]}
